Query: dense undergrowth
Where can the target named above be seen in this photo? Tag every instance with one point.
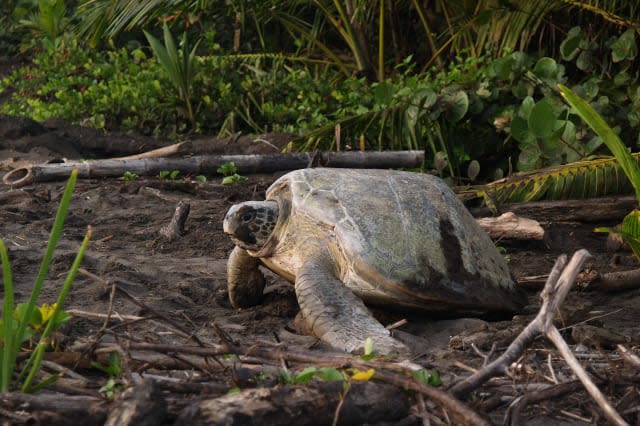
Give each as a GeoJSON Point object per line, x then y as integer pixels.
{"type": "Point", "coordinates": [496, 103]}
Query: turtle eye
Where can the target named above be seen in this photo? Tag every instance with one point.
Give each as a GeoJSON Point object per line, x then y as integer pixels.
{"type": "Point", "coordinates": [247, 217]}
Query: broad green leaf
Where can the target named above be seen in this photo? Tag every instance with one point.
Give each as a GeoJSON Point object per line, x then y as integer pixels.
{"type": "Point", "coordinates": [383, 93]}
{"type": "Point", "coordinates": [625, 46]}
{"type": "Point", "coordinates": [542, 120]}
{"type": "Point", "coordinates": [546, 68]}
{"type": "Point", "coordinates": [590, 89]}
{"type": "Point", "coordinates": [520, 131]}
{"type": "Point", "coordinates": [631, 231]}
{"type": "Point", "coordinates": [570, 46]}
{"type": "Point", "coordinates": [522, 89]}
{"type": "Point", "coordinates": [459, 105]}
{"type": "Point", "coordinates": [330, 374]}
{"type": "Point", "coordinates": [529, 157]}
{"type": "Point", "coordinates": [584, 61]}
{"type": "Point", "coordinates": [503, 67]}
{"type": "Point", "coordinates": [525, 108]}
{"type": "Point", "coordinates": [35, 316]}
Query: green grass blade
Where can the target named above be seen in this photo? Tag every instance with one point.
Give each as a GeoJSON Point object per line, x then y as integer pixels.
{"type": "Point", "coordinates": [56, 230]}
{"type": "Point", "coordinates": [613, 142]}
{"type": "Point", "coordinates": [163, 57]}
{"type": "Point", "coordinates": [36, 356]}
{"type": "Point", "coordinates": [7, 321]}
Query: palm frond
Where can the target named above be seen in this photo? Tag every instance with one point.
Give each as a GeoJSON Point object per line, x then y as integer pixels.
{"type": "Point", "coordinates": [602, 11]}
{"type": "Point", "coordinates": [579, 180]}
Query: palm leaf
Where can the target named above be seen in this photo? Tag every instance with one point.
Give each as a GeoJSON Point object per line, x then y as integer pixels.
{"type": "Point", "coordinates": [579, 180]}
{"type": "Point", "coordinates": [602, 11]}
{"type": "Point", "coordinates": [609, 137]}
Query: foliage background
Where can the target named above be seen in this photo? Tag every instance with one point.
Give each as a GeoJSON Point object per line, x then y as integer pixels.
{"type": "Point", "coordinates": [471, 82]}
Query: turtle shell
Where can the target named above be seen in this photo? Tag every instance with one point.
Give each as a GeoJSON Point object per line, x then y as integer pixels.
{"type": "Point", "coordinates": [397, 238]}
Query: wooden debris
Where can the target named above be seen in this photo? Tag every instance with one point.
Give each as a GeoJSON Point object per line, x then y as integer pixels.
{"type": "Point", "coordinates": [598, 337]}
{"type": "Point", "coordinates": [246, 164]}
{"type": "Point", "coordinates": [555, 291]}
{"type": "Point", "coordinates": [629, 356]}
{"type": "Point", "coordinates": [614, 281]}
{"type": "Point", "coordinates": [175, 229]}
{"type": "Point", "coordinates": [52, 409]}
{"type": "Point", "coordinates": [139, 405]}
{"type": "Point", "coordinates": [602, 209]}
{"type": "Point", "coordinates": [511, 227]}
{"type": "Point", "coordinates": [309, 404]}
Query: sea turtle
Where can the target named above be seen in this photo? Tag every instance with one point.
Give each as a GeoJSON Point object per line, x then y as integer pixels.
{"type": "Point", "coordinates": [388, 238]}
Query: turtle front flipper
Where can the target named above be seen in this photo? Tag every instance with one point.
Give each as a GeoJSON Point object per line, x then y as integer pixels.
{"type": "Point", "coordinates": [336, 315]}
{"type": "Point", "coordinates": [245, 281]}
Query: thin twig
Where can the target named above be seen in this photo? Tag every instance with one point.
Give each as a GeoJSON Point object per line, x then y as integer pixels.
{"type": "Point", "coordinates": [515, 349]}
{"type": "Point", "coordinates": [555, 291]}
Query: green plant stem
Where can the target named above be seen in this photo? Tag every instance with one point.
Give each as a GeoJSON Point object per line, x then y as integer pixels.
{"type": "Point", "coordinates": [33, 364]}
{"type": "Point", "coordinates": [56, 230]}
{"type": "Point", "coordinates": [381, 43]}
{"type": "Point", "coordinates": [7, 321]}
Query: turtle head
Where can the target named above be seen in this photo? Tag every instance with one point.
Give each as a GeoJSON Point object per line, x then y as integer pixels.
{"type": "Point", "coordinates": [250, 224]}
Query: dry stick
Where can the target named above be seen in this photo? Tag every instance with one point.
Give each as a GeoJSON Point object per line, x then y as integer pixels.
{"type": "Point", "coordinates": [463, 412]}
{"type": "Point", "coordinates": [532, 397]}
{"type": "Point", "coordinates": [515, 349]}
{"type": "Point", "coordinates": [553, 295]}
{"type": "Point", "coordinates": [630, 357]}
{"type": "Point", "coordinates": [554, 335]}
{"type": "Point", "coordinates": [165, 151]}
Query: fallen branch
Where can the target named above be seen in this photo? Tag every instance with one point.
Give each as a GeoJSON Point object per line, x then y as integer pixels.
{"type": "Point", "coordinates": [629, 356]}
{"type": "Point", "coordinates": [139, 405]}
{"type": "Point", "coordinates": [246, 164]}
{"type": "Point", "coordinates": [312, 403]}
{"type": "Point", "coordinates": [511, 227]}
{"type": "Point", "coordinates": [602, 209]}
{"type": "Point", "coordinates": [51, 409]}
{"type": "Point", "coordinates": [614, 281]}
{"type": "Point", "coordinates": [555, 291]}
{"type": "Point", "coordinates": [456, 408]}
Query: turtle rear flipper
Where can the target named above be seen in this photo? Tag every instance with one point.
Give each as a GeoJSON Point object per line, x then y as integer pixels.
{"type": "Point", "coordinates": [336, 315]}
{"type": "Point", "coordinates": [245, 281]}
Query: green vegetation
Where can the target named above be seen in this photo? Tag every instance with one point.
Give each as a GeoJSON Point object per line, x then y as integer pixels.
{"type": "Point", "coordinates": [229, 171]}
{"type": "Point", "coordinates": [170, 175]}
{"type": "Point", "coordinates": [630, 228]}
{"type": "Point", "coordinates": [114, 371]}
{"type": "Point", "coordinates": [130, 176]}
{"type": "Point", "coordinates": [26, 321]}
{"type": "Point", "coordinates": [473, 86]}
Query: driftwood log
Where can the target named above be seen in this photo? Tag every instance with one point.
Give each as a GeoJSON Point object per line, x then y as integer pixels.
{"type": "Point", "coordinates": [602, 209]}
{"type": "Point", "coordinates": [511, 227]}
{"type": "Point", "coordinates": [140, 405]}
{"type": "Point", "coordinates": [53, 409]}
{"type": "Point", "coordinates": [208, 164]}
{"type": "Point", "coordinates": [318, 403]}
